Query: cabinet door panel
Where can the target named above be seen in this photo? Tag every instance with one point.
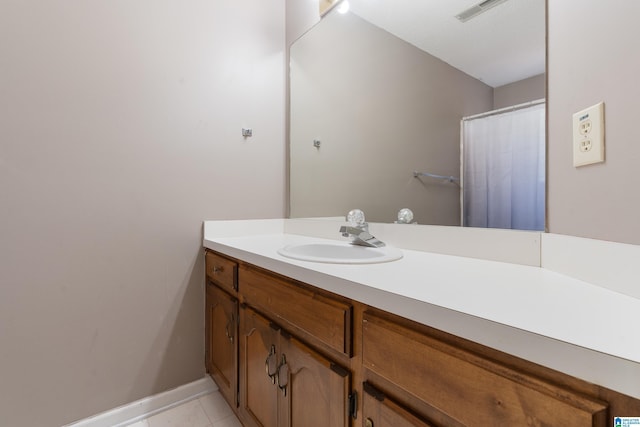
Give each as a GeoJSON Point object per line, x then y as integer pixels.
{"type": "Point", "coordinates": [221, 317]}
{"type": "Point", "coordinates": [258, 396]}
{"type": "Point", "coordinates": [380, 411]}
{"type": "Point", "coordinates": [468, 388]}
{"type": "Point", "coordinates": [317, 390]}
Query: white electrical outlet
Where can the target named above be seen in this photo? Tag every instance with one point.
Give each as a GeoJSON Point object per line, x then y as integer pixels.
{"type": "Point", "coordinates": [588, 136]}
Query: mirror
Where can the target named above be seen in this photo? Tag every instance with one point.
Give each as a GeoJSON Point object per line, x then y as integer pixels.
{"type": "Point", "coordinates": [379, 93]}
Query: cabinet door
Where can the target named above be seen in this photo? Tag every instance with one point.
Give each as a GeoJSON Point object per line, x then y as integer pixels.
{"type": "Point", "coordinates": [314, 392]}
{"type": "Point", "coordinates": [259, 363]}
{"type": "Point", "coordinates": [380, 411]}
{"type": "Point", "coordinates": [221, 346]}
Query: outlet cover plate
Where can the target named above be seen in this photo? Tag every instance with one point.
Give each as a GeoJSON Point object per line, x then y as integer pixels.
{"type": "Point", "coordinates": [588, 135]}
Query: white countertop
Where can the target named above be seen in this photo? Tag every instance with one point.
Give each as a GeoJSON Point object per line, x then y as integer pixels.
{"type": "Point", "coordinates": [528, 311]}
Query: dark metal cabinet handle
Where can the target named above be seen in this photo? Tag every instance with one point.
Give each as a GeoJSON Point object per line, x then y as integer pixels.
{"type": "Point", "coordinates": [271, 364]}
{"type": "Point", "coordinates": [227, 331]}
{"type": "Point", "coordinates": [283, 375]}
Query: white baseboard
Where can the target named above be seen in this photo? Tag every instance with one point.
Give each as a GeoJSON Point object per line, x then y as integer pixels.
{"type": "Point", "coordinates": [145, 407]}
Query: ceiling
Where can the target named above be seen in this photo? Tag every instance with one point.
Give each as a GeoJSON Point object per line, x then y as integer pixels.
{"type": "Point", "coordinates": [504, 44]}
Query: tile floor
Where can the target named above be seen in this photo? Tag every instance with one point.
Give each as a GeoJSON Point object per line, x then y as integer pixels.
{"type": "Point", "coordinates": [210, 410]}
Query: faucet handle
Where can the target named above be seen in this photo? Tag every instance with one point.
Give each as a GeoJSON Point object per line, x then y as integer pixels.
{"type": "Point", "coordinates": [355, 217]}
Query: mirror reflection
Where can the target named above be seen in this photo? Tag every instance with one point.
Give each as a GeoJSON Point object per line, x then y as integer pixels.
{"type": "Point", "coordinates": [380, 101]}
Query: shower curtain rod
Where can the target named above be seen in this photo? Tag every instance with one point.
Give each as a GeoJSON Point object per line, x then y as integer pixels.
{"type": "Point", "coordinates": [506, 109]}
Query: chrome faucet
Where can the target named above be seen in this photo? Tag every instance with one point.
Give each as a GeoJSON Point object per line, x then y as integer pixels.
{"type": "Point", "coordinates": [358, 230]}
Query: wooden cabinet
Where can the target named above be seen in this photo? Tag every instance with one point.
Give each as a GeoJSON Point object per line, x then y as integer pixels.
{"type": "Point", "coordinates": [221, 324]}
{"type": "Point", "coordinates": [289, 354]}
{"type": "Point", "coordinates": [267, 343]}
{"type": "Point", "coordinates": [221, 353]}
{"type": "Point", "coordinates": [380, 411]}
{"type": "Point", "coordinates": [286, 383]}
{"type": "Point", "coordinates": [469, 388]}
{"type": "Point", "coordinates": [222, 271]}
{"type": "Point", "coordinates": [315, 391]}
{"type": "Point", "coordinates": [300, 308]}
{"type": "Point", "coordinates": [259, 365]}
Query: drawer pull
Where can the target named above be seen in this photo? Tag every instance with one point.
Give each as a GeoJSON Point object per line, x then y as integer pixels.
{"type": "Point", "coordinates": [217, 269]}
{"type": "Point", "coordinates": [283, 371]}
{"type": "Point", "coordinates": [271, 364]}
{"type": "Point", "coordinates": [368, 422]}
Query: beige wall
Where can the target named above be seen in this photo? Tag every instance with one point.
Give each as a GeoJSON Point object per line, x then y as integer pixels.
{"type": "Point", "coordinates": [593, 57]}
{"type": "Point", "coordinates": [382, 109]}
{"type": "Point", "coordinates": [519, 92]}
{"type": "Point", "coordinates": [120, 132]}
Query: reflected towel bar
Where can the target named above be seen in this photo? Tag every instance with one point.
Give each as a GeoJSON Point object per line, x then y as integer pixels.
{"type": "Point", "coordinates": [430, 175]}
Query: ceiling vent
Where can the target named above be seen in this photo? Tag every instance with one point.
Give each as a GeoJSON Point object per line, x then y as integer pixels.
{"type": "Point", "coordinates": [477, 9]}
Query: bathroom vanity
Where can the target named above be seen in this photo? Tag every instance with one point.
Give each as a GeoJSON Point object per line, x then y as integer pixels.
{"type": "Point", "coordinates": [294, 343]}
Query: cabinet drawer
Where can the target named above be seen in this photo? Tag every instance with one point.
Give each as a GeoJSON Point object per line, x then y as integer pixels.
{"type": "Point", "coordinates": [222, 271]}
{"type": "Point", "coordinates": [467, 387]}
{"type": "Point", "coordinates": [304, 308]}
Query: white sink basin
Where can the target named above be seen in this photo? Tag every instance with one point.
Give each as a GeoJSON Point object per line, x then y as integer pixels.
{"type": "Point", "coordinates": [340, 253]}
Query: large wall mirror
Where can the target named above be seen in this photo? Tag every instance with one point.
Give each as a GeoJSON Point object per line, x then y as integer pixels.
{"type": "Point", "coordinates": [379, 92]}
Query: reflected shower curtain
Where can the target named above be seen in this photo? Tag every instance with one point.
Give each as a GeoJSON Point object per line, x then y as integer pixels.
{"type": "Point", "coordinates": [504, 169]}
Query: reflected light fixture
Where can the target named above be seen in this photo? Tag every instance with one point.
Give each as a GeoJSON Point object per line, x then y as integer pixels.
{"type": "Point", "coordinates": [343, 7]}
{"type": "Point", "coordinates": [477, 9]}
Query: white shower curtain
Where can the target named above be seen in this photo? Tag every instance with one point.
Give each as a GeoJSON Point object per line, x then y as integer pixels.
{"type": "Point", "coordinates": [503, 159]}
